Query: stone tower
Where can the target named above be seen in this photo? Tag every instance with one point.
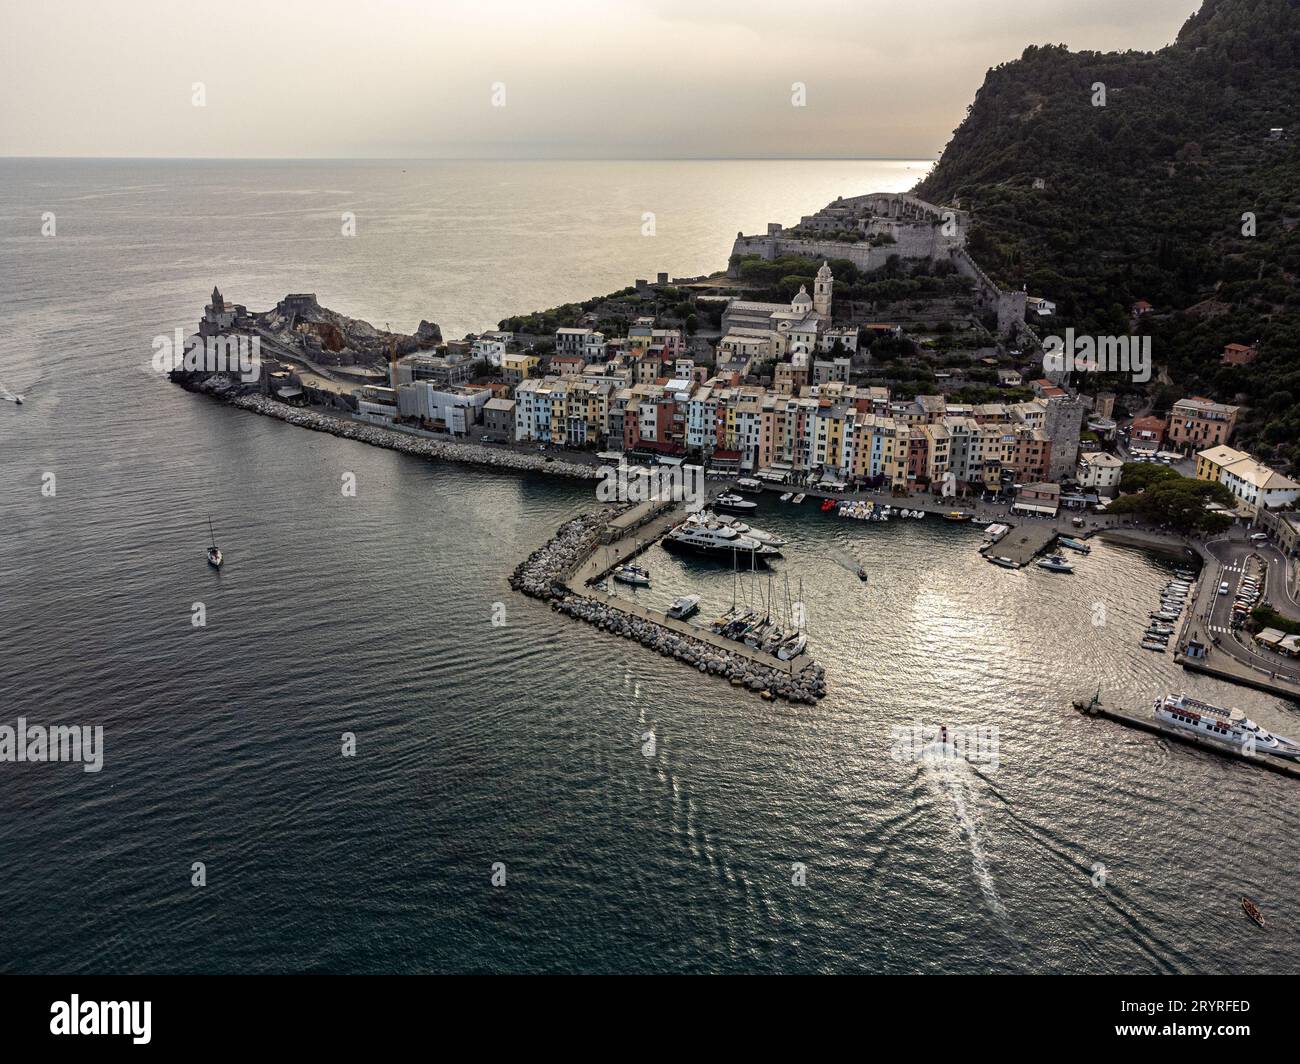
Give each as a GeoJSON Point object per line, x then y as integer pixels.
{"type": "Point", "coordinates": [822, 291]}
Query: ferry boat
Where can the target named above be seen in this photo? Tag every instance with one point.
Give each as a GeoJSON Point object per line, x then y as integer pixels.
{"type": "Point", "coordinates": [1056, 563]}
{"type": "Point", "coordinates": [734, 503]}
{"type": "Point", "coordinates": [1226, 725]}
{"type": "Point", "coordinates": [715, 539]}
{"type": "Point", "coordinates": [632, 574]}
{"type": "Point", "coordinates": [749, 484]}
{"type": "Point", "coordinates": [683, 607]}
{"type": "Point", "coordinates": [1075, 545]}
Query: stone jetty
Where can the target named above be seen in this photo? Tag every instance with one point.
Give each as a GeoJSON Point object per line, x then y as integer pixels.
{"type": "Point", "coordinates": [544, 573]}
{"type": "Point", "coordinates": [408, 443]}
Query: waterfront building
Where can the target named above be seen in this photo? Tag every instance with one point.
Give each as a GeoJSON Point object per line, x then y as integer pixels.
{"type": "Point", "coordinates": [518, 366]}
{"type": "Point", "coordinates": [1101, 471]}
{"type": "Point", "coordinates": [1200, 423]}
{"type": "Point", "coordinates": [499, 418]}
{"type": "Point", "coordinates": [442, 408]}
{"type": "Point", "coordinates": [1041, 499]}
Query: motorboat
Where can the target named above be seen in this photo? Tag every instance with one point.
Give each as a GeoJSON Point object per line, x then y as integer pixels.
{"type": "Point", "coordinates": [1056, 563]}
{"type": "Point", "coordinates": [683, 606]}
{"type": "Point", "coordinates": [958, 516]}
{"type": "Point", "coordinates": [862, 574]}
{"type": "Point", "coordinates": [711, 536]}
{"type": "Point", "coordinates": [766, 538]}
{"type": "Point", "coordinates": [1075, 545]}
{"type": "Point", "coordinates": [632, 574]}
{"type": "Point", "coordinates": [828, 505]}
{"type": "Point", "coordinates": [735, 503]}
{"type": "Point", "coordinates": [799, 498]}
{"type": "Point", "coordinates": [1005, 563]}
{"type": "Point", "coordinates": [1151, 644]}
{"type": "Point", "coordinates": [787, 496]}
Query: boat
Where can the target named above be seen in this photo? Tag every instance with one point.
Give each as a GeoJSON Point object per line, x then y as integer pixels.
{"type": "Point", "coordinates": [735, 503]}
{"type": "Point", "coordinates": [1006, 563]}
{"type": "Point", "coordinates": [1163, 615]}
{"type": "Point", "coordinates": [18, 399]}
{"type": "Point", "coordinates": [766, 538]}
{"type": "Point", "coordinates": [862, 574]}
{"type": "Point", "coordinates": [632, 574]}
{"type": "Point", "coordinates": [792, 647]}
{"type": "Point", "coordinates": [1226, 725]}
{"type": "Point", "coordinates": [697, 535]}
{"type": "Point", "coordinates": [1251, 909]}
{"type": "Point", "coordinates": [683, 606]}
{"type": "Point", "coordinates": [1160, 629]}
{"type": "Point", "coordinates": [1075, 545]}
{"type": "Point", "coordinates": [958, 516]}
{"type": "Point", "coordinates": [733, 615]}
{"type": "Point", "coordinates": [749, 484]}
{"type": "Point", "coordinates": [799, 498]}
{"type": "Point", "coordinates": [1151, 644]}
{"type": "Point", "coordinates": [787, 496]}
{"type": "Point", "coordinates": [1056, 563]}
{"type": "Point", "coordinates": [214, 554]}
{"type": "Point", "coordinates": [828, 505]}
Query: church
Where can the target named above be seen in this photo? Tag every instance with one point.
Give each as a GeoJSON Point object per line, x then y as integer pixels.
{"type": "Point", "coordinates": [781, 330]}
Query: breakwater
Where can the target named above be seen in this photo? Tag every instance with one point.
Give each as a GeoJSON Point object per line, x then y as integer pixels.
{"type": "Point", "coordinates": [405, 442]}
{"type": "Point", "coordinates": [544, 574]}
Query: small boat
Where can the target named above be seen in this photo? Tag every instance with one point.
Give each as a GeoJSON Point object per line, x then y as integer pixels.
{"type": "Point", "coordinates": [958, 516]}
{"type": "Point", "coordinates": [1151, 644]}
{"type": "Point", "coordinates": [749, 484]}
{"type": "Point", "coordinates": [18, 399]}
{"type": "Point", "coordinates": [862, 574]}
{"type": "Point", "coordinates": [214, 554]}
{"type": "Point", "coordinates": [792, 647]}
{"type": "Point", "coordinates": [787, 496]}
{"type": "Point", "coordinates": [735, 503]}
{"type": "Point", "coordinates": [799, 498]}
{"type": "Point", "coordinates": [1056, 563]}
{"type": "Point", "coordinates": [1006, 563]}
{"type": "Point", "coordinates": [828, 505]}
{"type": "Point", "coordinates": [1251, 909]}
{"type": "Point", "coordinates": [1159, 629]}
{"type": "Point", "coordinates": [1075, 545]}
{"type": "Point", "coordinates": [683, 607]}
{"type": "Point", "coordinates": [1163, 615]}
{"type": "Point", "coordinates": [632, 574]}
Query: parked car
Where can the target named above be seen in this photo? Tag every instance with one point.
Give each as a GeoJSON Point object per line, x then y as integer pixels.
{"type": "Point", "coordinates": [1223, 588]}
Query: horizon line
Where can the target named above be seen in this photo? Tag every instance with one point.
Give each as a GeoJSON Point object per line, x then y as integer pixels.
{"type": "Point", "coordinates": [470, 158]}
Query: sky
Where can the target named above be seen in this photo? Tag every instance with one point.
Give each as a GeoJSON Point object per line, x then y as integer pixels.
{"type": "Point", "coordinates": [621, 79]}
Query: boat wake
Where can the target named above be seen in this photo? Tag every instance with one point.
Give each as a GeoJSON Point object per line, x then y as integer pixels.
{"type": "Point", "coordinates": [950, 778]}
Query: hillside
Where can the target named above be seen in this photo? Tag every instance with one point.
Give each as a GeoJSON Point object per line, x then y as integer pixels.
{"type": "Point", "coordinates": [1144, 198]}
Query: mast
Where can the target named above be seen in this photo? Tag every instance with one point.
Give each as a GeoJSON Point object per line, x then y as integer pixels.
{"type": "Point", "coordinates": [210, 532]}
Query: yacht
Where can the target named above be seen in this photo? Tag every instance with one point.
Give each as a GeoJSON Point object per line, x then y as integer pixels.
{"type": "Point", "coordinates": [735, 503]}
{"type": "Point", "coordinates": [683, 606]}
{"type": "Point", "coordinates": [214, 553]}
{"type": "Point", "coordinates": [792, 647]}
{"type": "Point", "coordinates": [632, 574]}
{"type": "Point", "coordinates": [1226, 725]}
{"type": "Point", "coordinates": [711, 537]}
{"type": "Point", "coordinates": [1056, 563]}
{"type": "Point", "coordinates": [766, 538]}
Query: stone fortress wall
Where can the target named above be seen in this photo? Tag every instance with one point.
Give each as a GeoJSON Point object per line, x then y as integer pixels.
{"type": "Point", "coordinates": [919, 230]}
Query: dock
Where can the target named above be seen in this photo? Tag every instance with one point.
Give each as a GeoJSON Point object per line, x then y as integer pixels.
{"type": "Point", "coordinates": [1023, 543]}
{"type": "Point", "coordinates": [1148, 723]}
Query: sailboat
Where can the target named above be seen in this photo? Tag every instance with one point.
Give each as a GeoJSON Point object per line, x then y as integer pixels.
{"type": "Point", "coordinates": [214, 554]}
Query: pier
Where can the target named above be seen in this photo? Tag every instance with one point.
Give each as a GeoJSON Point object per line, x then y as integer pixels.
{"type": "Point", "coordinates": [1023, 543]}
{"type": "Point", "coordinates": [1148, 723]}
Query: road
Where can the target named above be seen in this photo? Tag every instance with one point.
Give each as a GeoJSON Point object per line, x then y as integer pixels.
{"type": "Point", "coordinates": [1232, 555]}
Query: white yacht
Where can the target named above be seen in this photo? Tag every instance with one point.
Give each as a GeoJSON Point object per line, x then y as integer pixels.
{"type": "Point", "coordinates": [735, 503]}
{"type": "Point", "coordinates": [683, 606]}
{"type": "Point", "coordinates": [759, 534]}
{"type": "Point", "coordinates": [697, 535]}
{"type": "Point", "coordinates": [792, 647]}
{"type": "Point", "coordinates": [633, 575]}
{"type": "Point", "coordinates": [1226, 725]}
{"type": "Point", "coordinates": [1056, 563]}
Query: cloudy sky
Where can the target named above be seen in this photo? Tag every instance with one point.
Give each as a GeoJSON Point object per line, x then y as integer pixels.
{"type": "Point", "coordinates": [579, 78]}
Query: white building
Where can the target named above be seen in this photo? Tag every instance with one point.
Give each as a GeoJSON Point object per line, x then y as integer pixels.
{"type": "Point", "coordinates": [446, 408]}
{"type": "Point", "coordinates": [1100, 471]}
{"type": "Point", "coordinates": [1258, 486]}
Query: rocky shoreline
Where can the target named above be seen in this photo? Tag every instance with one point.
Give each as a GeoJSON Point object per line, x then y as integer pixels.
{"type": "Point", "coordinates": [543, 574]}
{"type": "Point", "coordinates": [418, 446]}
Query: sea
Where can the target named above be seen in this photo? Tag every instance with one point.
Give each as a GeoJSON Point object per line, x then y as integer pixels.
{"type": "Point", "coordinates": [354, 749]}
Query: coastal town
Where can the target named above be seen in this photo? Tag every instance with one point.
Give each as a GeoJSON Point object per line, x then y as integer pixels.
{"type": "Point", "coordinates": [805, 398]}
